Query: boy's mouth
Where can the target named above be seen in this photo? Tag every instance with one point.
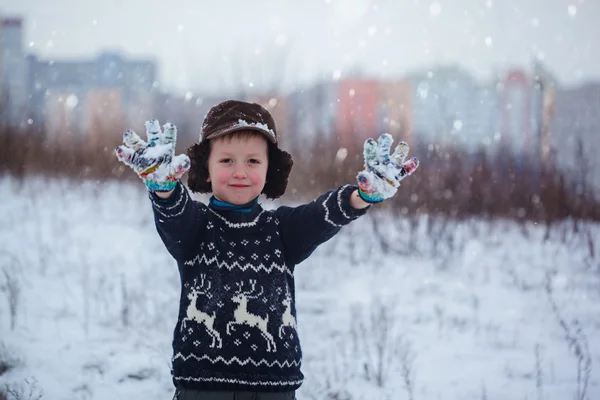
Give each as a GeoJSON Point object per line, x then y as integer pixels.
{"type": "Point", "coordinates": [239, 186]}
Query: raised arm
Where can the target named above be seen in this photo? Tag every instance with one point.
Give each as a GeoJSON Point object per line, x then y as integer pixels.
{"type": "Point", "coordinates": [305, 227]}
{"type": "Point", "coordinates": [179, 220]}
{"type": "Point", "coordinates": [177, 217]}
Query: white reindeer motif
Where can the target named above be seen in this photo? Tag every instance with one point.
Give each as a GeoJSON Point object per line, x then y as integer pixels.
{"type": "Point", "coordinates": [202, 318]}
{"type": "Point", "coordinates": [287, 319]}
{"type": "Point", "coordinates": [242, 316]}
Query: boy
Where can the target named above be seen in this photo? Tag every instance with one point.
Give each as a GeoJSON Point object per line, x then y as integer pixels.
{"type": "Point", "coordinates": [236, 335]}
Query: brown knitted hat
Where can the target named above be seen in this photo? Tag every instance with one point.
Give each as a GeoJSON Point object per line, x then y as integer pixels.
{"type": "Point", "coordinates": [233, 115]}
{"type": "Point", "coordinates": [227, 118]}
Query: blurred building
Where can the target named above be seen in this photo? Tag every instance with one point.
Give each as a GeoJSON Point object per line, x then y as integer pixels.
{"type": "Point", "coordinates": [348, 111]}
{"type": "Point", "coordinates": [526, 107]}
{"type": "Point", "coordinates": [545, 87]}
{"type": "Point", "coordinates": [450, 108]}
{"type": "Point", "coordinates": [13, 72]}
{"type": "Point", "coordinates": [359, 113]}
{"type": "Point", "coordinates": [104, 94]}
{"type": "Point", "coordinates": [311, 113]}
{"type": "Point", "coordinates": [103, 115]}
{"type": "Point", "coordinates": [396, 110]}
{"type": "Point", "coordinates": [516, 110]}
{"type": "Point", "coordinates": [575, 131]}
{"type": "Point", "coordinates": [64, 117]}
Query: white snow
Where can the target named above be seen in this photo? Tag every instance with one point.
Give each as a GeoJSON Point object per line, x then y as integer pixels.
{"type": "Point", "coordinates": [264, 127]}
{"type": "Point", "coordinates": [465, 308]}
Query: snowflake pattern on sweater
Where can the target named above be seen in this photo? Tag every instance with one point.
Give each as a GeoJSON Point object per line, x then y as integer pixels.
{"type": "Point", "coordinates": [237, 327]}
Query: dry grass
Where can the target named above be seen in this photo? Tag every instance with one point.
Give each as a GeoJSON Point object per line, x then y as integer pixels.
{"type": "Point", "coordinates": [457, 184]}
{"type": "Point", "coordinates": [448, 182]}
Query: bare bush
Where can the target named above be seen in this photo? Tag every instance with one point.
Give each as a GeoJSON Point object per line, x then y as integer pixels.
{"type": "Point", "coordinates": [458, 184]}
{"type": "Point", "coordinates": [577, 342]}
{"type": "Point", "coordinates": [27, 152]}
{"type": "Point", "coordinates": [450, 181]}
{"type": "Point", "coordinates": [414, 222]}
{"type": "Point", "coordinates": [440, 230]}
{"type": "Point", "coordinates": [26, 390]}
{"type": "Point", "coordinates": [382, 349]}
{"type": "Point", "coordinates": [407, 357]}
{"type": "Point", "coordinates": [339, 374]}
{"type": "Point", "coordinates": [376, 352]}
{"type": "Point", "coordinates": [539, 377]}
{"type": "Point", "coordinates": [12, 291]}
{"type": "Point", "coordinates": [125, 305]}
{"type": "Point", "coordinates": [380, 237]}
{"type": "Point", "coordinates": [8, 359]}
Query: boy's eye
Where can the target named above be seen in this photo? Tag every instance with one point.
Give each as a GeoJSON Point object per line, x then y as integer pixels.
{"type": "Point", "coordinates": [225, 160]}
{"type": "Point", "coordinates": [254, 161]}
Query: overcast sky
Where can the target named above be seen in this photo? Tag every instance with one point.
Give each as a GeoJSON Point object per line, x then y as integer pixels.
{"type": "Point", "coordinates": [211, 45]}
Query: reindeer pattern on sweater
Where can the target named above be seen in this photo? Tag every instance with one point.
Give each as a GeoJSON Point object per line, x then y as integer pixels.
{"type": "Point", "coordinates": [237, 325]}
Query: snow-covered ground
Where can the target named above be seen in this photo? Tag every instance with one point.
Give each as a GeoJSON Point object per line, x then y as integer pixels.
{"type": "Point", "coordinates": [386, 310]}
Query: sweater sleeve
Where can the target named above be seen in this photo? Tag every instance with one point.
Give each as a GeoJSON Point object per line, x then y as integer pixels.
{"type": "Point", "coordinates": [179, 220]}
{"type": "Point", "coordinates": [305, 227]}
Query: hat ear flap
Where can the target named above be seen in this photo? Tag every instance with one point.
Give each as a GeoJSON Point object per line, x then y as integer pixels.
{"type": "Point", "coordinates": [198, 178]}
{"type": "Point", "coordinates": [278, 172]}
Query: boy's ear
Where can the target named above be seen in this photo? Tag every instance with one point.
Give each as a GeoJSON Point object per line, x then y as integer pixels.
{"type": "Point", "coordinates": [208, 179]}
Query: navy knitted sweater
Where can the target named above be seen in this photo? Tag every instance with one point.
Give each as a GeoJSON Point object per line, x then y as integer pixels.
{"type": "Point", "coordinates": [236, 329]}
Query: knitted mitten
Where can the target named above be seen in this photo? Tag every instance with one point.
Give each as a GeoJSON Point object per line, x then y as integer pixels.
{"type": "Point", "coordinates": [154, 161]}
{"type": "Point", "coordinates": [382, 174]}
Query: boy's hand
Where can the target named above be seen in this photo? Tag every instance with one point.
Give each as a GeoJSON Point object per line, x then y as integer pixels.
{"type": "Point", "coordinates": [382, 174]}
{"type": "Point", "coordinates": [154, 161]}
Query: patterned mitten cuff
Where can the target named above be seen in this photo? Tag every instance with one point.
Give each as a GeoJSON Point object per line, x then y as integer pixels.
{"type": "Point", "coordinates": [371, 198]}
{"type": "Point", "coordinates": [158, 186]}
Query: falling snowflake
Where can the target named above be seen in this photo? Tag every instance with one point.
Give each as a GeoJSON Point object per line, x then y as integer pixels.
{"type": "Point", "coordinates": [435, 8]}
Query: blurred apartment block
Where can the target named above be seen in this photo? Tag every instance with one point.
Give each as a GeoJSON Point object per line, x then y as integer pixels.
{"type": "Point", "coordinates": [89, 96]}
{"type": "Point", "coordinates": [348, 111]}
{"type": "Point", "coordinates": [13, 70]}
{"type": "Point", "coordinates": [524, 111]}
{"type": "Point", "coordinates": [73, 97]}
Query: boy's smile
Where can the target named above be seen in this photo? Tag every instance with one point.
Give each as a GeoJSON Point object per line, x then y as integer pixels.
{"type": "Point", "coordinates": [237, 167]}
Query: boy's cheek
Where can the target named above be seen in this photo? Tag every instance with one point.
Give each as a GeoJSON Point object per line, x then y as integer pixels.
{"type": "Point", "coordinates": [258, 177]}
{"type": "Point", "coordinates": [222, 179]}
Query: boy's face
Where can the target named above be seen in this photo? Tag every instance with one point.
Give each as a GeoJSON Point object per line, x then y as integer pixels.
{"type": "Point", "coordinates": [237, 168]}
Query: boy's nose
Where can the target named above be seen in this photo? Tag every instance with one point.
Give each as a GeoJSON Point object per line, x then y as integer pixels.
{"type": "Point", "coordinates": [239, 173]}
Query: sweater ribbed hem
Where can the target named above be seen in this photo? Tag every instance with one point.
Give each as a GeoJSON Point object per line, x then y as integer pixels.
{"type": "Point", "coordinates": [239, 382]}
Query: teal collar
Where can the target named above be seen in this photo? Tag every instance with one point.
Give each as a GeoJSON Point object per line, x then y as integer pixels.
{"type": "Point", "coordinates": [223, 206]}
